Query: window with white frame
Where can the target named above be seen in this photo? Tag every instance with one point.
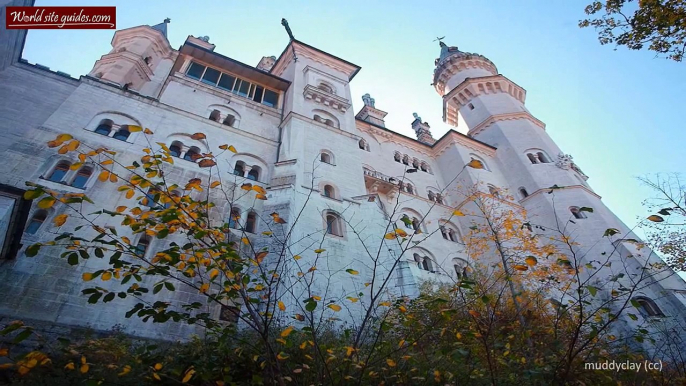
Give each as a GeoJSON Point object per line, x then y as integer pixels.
{"type": "Point", "coordinates": [334, 224]}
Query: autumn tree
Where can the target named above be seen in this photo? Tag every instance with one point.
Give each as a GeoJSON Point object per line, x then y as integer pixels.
{"type": "Point", "coordinates": [659, 25]}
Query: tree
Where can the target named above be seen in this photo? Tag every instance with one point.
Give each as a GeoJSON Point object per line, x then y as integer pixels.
{"type": "Point", "coordinates": [659, 24]}
{"type": "Point", "coordinates": [485, 323]}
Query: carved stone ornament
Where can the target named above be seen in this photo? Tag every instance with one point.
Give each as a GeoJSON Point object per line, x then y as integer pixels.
{"type": "Point", "coordinates": [564, 161]}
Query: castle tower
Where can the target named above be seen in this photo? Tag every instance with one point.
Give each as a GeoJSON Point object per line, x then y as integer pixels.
{"type": "Point", "coordinates": [140, 59]}
{"type": "Point", "coordinates": [423, 130]}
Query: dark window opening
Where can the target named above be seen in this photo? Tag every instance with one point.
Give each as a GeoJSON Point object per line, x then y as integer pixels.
{"type": "Point", "coordinates": [82, 178]}
{"type": "Point", "coordinates": [195, 70]}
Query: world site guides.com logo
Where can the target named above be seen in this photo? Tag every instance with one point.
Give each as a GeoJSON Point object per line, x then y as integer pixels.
{"type": "Point", "coordinates": [61, 18]}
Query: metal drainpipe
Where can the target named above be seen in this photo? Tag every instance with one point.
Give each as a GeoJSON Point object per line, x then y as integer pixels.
{"type": "Point", "coordinates": [283, 108]}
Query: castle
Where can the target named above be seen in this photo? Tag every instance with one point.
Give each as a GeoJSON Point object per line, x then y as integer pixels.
{"type": "Point", "coordinates": [291, 119]}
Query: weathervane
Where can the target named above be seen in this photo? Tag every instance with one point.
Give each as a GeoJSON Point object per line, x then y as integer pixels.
{"type": "Point", "coordinates": [284, 23]}
{"type": "Point", "coordinates": [440, 41]}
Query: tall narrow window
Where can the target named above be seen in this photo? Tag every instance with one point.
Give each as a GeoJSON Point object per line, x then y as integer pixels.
{"type": "Point", "coordinates": [142, 246]}
{"type": "Point", "coordinates": [251, 222]}
{"type": "Point", "coordinates": [123, 133]}
{"type": "Point", "coordinates": [333, 226]}
{"type": "Point", "coordinates": [523, 192]}
{"type": "Point", "coordinates": [105, 127]}
{"type": "Point", "coordinates": [229, 120]}
{"type": "Point", "coordinates": [397, 157]}
{"type": "Point", "coordinates": [409, 188]}
{"type": "Point", "coordinates": [415, 224]}
{"type": "Point", "coordinates": [452, 235]}
{"type": "Point", "coordinates": [329, 191]}
{"type": "Point", "coordinates": [325, 157]}
{"type": "Point", "coordinates": [542, 158]}
{"type": "Point", "coordinates": [239, 169]}
{"type": "Point", "coordinates": [59, 171]}
{"type": "Point", "coordinates": [577, 213]}
{"type": "Point", "coordinates": [226, 82]}
{"type": "Point", "coordinates": [215, 115]}
{"type": "Point", "coordinates": [195, 70]}
{"type": "Point", "coordinates": [532, 158]}
{"type": "Point", "coordinates": [432, 196]}
{"type": "Point", "coordinates": [439, 198]}
{"type": "Point", "coordinates": [363, 144]}
{"type": "Point", "coordinates": [418, 260]}
{"type": "Point", "coordinates": [426, 264]}
{"type": "Point", "coordinates": [406, 160]}
{"type": "Point", "coordinates": [270, 99]}
{"type": "Point", "coordinates": [175, 149]}
{"type": "Point", "coordinates": [36, 221]}
{"type": "Point", "coordinates": [192, 154]}
{"type": "Point", "coordinates": [444, 232]}
{"type": "Point", "coordinates": [254, 173]}
{"type": "Point", "coordinates": [82, 177]}
{"type": "Point", "coordinates": [234, 217]}
{"type": "Point", "coordinates": [211, 76]}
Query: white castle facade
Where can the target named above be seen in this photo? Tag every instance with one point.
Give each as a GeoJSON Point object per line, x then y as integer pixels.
{"type": "Point", "coordinates": [292, 120]}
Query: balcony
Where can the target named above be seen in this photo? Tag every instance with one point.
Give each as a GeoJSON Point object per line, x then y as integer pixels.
{"type": "Point", "coordinates": [380, 183]}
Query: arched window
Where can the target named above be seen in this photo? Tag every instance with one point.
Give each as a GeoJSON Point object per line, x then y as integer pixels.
{"type": "Point", "coordinates": [523, 192]}
{"type": "Point", "coordinates": [192, 154]}
{"type": "Point", "coordinates": [142, 246]}
{"type": "Point", "coordinates": [123, 133]}
{"type": "Point", "coordinates": [60, 170]}
{"type": "Point", "coordinates": [452, 235]}
{"type": "Point", "coordinates": [542, 158]}
{"type": "Point", "coordinates": [423, 262]}
{"type": "Point", "coordinates": [82, 177]}
{"type": "Point", "coordinates": [432, 196]}
{"type": "Point", "coordinates": [409, 188]}
{"type": "Point", "coordinates": [461, 268]}
{"type": "Point", "coordinates": [147, 60]}
{"type": "Point", "coordinates": [325, 157]}
{"type": "Point", "coordinates": [104, 127]}
{"type": "Point", "coordinates": [36, 221]}
{"type": "Point", "coordinates": [532, 158]}
{"type": "Point", "coordinates": [325, 87]}
{"type": "Point", "coordinates": [333, 224]}
{"type": "Point", "coordinates": [415, 224]}
{"type": "Point", "coordinates": [230, 120]}
{"type": "Point", "coordinates": [439, 198]}
{"type": "Point", "coordinates": [251, 222]}
{"type": "Point", "coordinates": [175, 149]}
{"type": "Point", "coordinates": [329, 191]}
{"type": "Point", "coordinates": [444, 232]}
{"type": "Point", "coordinates": [647, 307]}
{"type": "Point", "coordinates": [493, 191]}
{"type": "Point", "coordinates": [578, 214]}
{"type": "Point", "coordinates": [426, 264]}
{"type": "Point", "coordinates": [406, 159]}
{"type": "Point", "coordinates": [424, 167]}
{"type": "Point", "coordinates": [417, 259]}
{"type": "Point", "coordinates": [215, 115]}
{"type": "Point", "coordinates": [234, 217]}
{"type": "Point", "coordinates": [415, 163]}
{"type": "Point", "coordinates": [397, 157]}
{"type": "Point", "coordinates": [254, 173]}
{"type": "Point", "coordinates": [239, 169]}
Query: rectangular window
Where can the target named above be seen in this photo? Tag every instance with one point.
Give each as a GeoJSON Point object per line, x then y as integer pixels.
{"type": "Point", "coordinates": [243, 90]}
{"type": "Point", "coordinates": [271, 98]}
{"type": "Point", "coordinates": [211, 76]}
{"type": "Point", "coordinates": [195, 70]}
{"type": "Point", "coordinates": [226, 82]}
{"type": "Point", "coordinates": [258, 94]}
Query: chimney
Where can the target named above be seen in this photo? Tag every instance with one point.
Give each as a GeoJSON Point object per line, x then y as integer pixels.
{"type": "Point", "coordinates": [371, 114]}
{"type": "Point", "coordinates": [423, 130]}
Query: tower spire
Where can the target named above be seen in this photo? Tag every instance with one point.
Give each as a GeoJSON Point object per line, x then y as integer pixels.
{"type": "Point", "coordinates": [162, 27]}
{"type": "Point", "coordinates": [423, 130]}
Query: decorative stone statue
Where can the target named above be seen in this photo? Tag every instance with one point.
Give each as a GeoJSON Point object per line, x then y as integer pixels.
{"type": "Point", "coordinates": [368, 100]}
{"type": "Point", "coordinates": [284, 23]}
{"type": "Point", "coordinates": [417, 117]}
{"type": "Point", "coordinates": [564, 161]}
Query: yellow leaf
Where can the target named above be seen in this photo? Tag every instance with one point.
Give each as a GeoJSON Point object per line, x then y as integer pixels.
{"type": "Point", "coordinates": [354, 300]}
{"type": "Point", "coordinates": [148, 131]}
{"type": "Point", "coordinates": [213, 274]}
{"type": "Point", "coordinates": [297, 257]}
{"type": "Point", "coordinates": [73, 145]}
{"type": "Point", "coordinates": [334, 307]}
{"type": "Point", "coordinates": [188, 376]}
{"type": "Point", "coordinates": [151, 174]}
{"type": "Point", "coordinates": [317, 298]}
{"type": "Point", "coordinates": [84, 368]}
{"type": "Point", "coordinates": [106, 276]}
{"type": "Point", "coordinates": [54, 143]}
{"type": "Point", "coordinates": [104, 175]}
{"type": "Point", "coordinates": [121, 208]}
{"type": "Point", "coordinates": [107, 162]}
{"type": "Point", "coordinates": [402, 309]}
{"type": "Point", "coordinates": [261, 197]}
{"type": "Point", "coordinates": [655, 218]}
{"type": "Point", "coordinates": [113, 177]}
{"type": "Point", "coordinates": [246, 186]}
{"type": "Point", "coordinates": [215, 184]}
{"type": "Point", "coordinates": [390, 362]}
{"type": "Point", "coordinates": [156, 376]}
{"type": "Point", "coordinates": [70, 366]}
{"type": "Point", "coordinates": [299, 317]}
{"type": "Point", "coordinates": [82, 157]}
{"type": "Point", "coordinates": [224, 147]}
{"type": "Point", "coordinates": [207, 163]}
{"type": "Point", "coordinates": [282, 356]}
{"type": "Point", "coordinates": [385, 304]}
{"type": "Point", "coordinates": [134, 129]}
{"type": "Point", "coordinates": [282, 306]}
{"type": "Point", "coordinates": [198, 136]}
{"type": "Point", "coordinates": [232, 149]}
{"type": "Point", "coordinates": [400, 232]}
{"type": "Point", "coordinates": [260, 256]}
{"type": "Point", "coordinates": [531, 261]}
{"type": "Point", "coordinates": [367, 284]}
{"type": "Point", "coordinates": [47, 202]}
{"type": "Point", "coordinates": [319, 250]}
{"type": "Point", "coordinates": [267, 233]}
{"type": "Point", "coordinates": [204, 288]}
{"type": "Point", "coordinates": [158, 366]}
{"type": "Point", "coordinates": [60, 220]}
{"type": "Point", "coordinates": [87, 276]}
{"type": "Point", "coordinates": [76, 165]}
{"type": "Point", "coordinates": [475, 164]}
{"type": "Point", "coordinates": [63, 137]}
{"type": "Point", "coordinates": [259, 189]}
{"type": "Point", "coordinates": [125, 370]}
{"type": "Point", "coordinates": [390, 236]}
{"type": "Point", "coordinates": [130, 194]}
{"type": "Point", "coordinates": [3, 352]}
{"type": "Point", "coordinates": [245, 240]}
{"type": "Point", "coordinates": [287, 331]}
{"type": "Point", "coordinates": [520, 267]}
{"type": "Point", "coordinates": [474, 313]}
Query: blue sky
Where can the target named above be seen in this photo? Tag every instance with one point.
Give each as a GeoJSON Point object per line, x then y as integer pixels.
{"type": "Point", "coordinates": [619, 113]}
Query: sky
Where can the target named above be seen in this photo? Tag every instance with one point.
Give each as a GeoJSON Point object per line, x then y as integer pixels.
{"type": "Point", "coordinates": [619, 113]}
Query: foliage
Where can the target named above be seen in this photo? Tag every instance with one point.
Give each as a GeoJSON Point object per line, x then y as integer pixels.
{"type": "Point", "coordinates": [533, 307]}
{"type": "Point", "coordinates": [659, 24]}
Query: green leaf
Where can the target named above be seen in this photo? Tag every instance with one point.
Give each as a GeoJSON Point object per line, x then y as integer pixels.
{"type": "Point", "coordinates": [351, 271]}
{"type": "Point", "coordinates": [99, 253]}
{"type": "Point", "coordinates": [586, 209]}
{"type": "Point", "coordinates": [22, 335]}
{"type": "Point", "coordinates": [610, 232]}
{"type": "Point", "coordinates": [73, 258]}
{"type": "Point", "coordinates": [33, 194]}
{"type": "Point", "coordinates": [94, 298]}
{"type": "Point", "coordinates": [32, 250]}
{"type": "Point", "coordinates": [592, 290]}
{"type": "Point", "coordinates": [311, 305]}
{"type": "Point", "coordinates": [664, 212]}
{"type": "Point", "coordinates": [157, 288]}
{"type": "Point", "coordinates": [163, 233]}
{"type": "Point", "coordinates": [109, 297]}
{"type": "Point", "coordinates": [169, 286]}
{"type": "Point", "coordinates": [633, 317]}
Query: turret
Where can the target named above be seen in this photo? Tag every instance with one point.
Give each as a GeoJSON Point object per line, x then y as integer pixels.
{"type": "Point", "coordinates": [136, 58]}
{"type": "Point", "coordinates": [423, 130]}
